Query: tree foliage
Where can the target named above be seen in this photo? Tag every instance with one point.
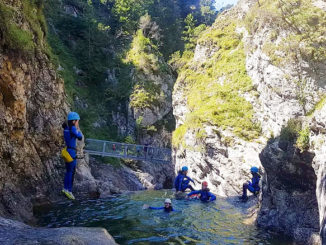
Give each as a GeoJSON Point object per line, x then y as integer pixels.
{"type": "Point", "coordinates": [95, 36]}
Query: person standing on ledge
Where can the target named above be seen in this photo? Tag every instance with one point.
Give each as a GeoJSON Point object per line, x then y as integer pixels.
{"type": "Point", "coordinates": [71, 133]}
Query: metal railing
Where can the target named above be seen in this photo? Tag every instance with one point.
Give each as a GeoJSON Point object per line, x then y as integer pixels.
{"type": "Point", "coordinates": [128, 151]}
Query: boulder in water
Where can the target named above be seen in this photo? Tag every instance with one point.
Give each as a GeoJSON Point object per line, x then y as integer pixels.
{"type": "Point", "coordinates": [14, 232]}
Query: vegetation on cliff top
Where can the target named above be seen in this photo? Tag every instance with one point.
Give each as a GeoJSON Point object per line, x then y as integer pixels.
{"type": "Point", "coordinates": [297, 38]}
{"type": "Point", "coordinates": [214, 88]}
{"type": "Point", "coordinates": [148, 61]}
{"type": "Point", "coordinates": [23, 38]}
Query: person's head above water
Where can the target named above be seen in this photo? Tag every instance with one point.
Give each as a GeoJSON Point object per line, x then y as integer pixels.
{"type": "Point", "coordinates": [184, 170]}
{"type": "Point", "coordinates": [204, 186]}
{"type": "Point", "coordinates": [168, 205]}
{"type": "Point", "coordinates": [167, 202]}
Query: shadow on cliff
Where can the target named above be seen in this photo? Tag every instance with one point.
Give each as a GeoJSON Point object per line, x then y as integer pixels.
{"type": "Point", "coordinates": [287, 202]}
{"type": "Point", "coordinates": [288, 198]}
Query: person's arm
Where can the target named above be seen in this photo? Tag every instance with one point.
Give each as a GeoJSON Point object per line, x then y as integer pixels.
{"type": "Point", "coordinates": [76, 133]}
{"type": "Point", "coordinates": [180, 182]}
{"type": "Point", "coordinates": [156, 208]}
{"type": "Point", "coordinates": [176, 183]}
{"type": "Point", "coordinates": [191, 179]}
{"type": "Point", "coordinates": [212, 197]}
{"type": "Point", "coordinates": [193, 193]}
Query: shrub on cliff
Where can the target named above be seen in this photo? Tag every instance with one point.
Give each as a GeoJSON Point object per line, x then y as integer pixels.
{"type": "Point", "coordinates": [291, 130]}
{"type": "Point", "coordinates": [13, 36]}
{"type": "Point", "coordinates": [214, 87]}
{"type": "Point", "coordinates": [295, 132]}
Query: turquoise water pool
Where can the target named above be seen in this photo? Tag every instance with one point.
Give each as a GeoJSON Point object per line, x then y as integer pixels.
{"type": "Point", "coordinates": [220, 222]}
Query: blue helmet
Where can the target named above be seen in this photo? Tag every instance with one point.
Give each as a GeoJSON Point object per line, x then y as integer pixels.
{"type": "Point", "coordinates": [73, 116]}
{"type": "Point", "coordinates": [254, 169]}
{"type": "Point", "coordinates": [184, 168]}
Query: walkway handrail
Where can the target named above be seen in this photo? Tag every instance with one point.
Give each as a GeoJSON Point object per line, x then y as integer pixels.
{"type": "Point", "coordinates": [128, 151]}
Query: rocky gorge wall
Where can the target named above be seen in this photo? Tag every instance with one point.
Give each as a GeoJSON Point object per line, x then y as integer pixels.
{"type": "Point", "coordinates": [233, 103]}
{"type": "Point", "coordinates": [33, 105]}
{"type": "Point", "coordinates": [268, 122]}
{"type": "Point", "coordinates": [32, 109]}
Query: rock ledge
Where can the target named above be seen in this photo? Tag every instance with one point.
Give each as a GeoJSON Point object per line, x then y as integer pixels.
{"type": "Point", "coordinates": [14, 232]}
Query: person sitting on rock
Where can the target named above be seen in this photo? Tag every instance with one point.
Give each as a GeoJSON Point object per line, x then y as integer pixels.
{"type": "Point", "coordinates": [182, 181]}
{"type": "Point", "coordinates": [167, 206]}
{"type": "Point", "coordinates": [252, 186]}
{"type": "Point", "coordinates": [204, 195]}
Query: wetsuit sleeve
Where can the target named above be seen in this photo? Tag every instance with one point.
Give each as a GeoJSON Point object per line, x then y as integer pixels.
{"type": "Point", "coordinates": [180, 182]}
{"type": "Point", "coordinates": [76, 133]}
{"type": "Point", "coordinates": [212, 197]}
{"type": "Point", "coordinates": [156, 208]}
{"type": "Point", "coordinates": [190, 179]}
{"type": "Point", "coordinates": [176, 186]}
{"type": "Point", "coordinates": [193, 193]}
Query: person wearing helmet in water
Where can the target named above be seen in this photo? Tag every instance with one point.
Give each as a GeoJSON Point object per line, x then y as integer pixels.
{"type": "Point", "coordinates": [204, 195]}
{"type": "Point", "coordinates": [167, 206]}
{"type": "Point", "coordinates": [252, 186]}
{"type": "Point", "coordinates": [182, 181]}
{"type": "Point", "coordinates": [71, 133]}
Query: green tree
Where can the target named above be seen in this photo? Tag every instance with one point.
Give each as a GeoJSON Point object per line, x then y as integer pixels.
{"type": "Point", "coordinates": [150, 28]}
{"type": "Point", "coordinates": [190, 24]}
{"type": "Point", "coordinates": [129, 11]}
{"type": "Point", "coordinates": [208, 11]}
{"type": "Point", "coordinates": [191, 32]}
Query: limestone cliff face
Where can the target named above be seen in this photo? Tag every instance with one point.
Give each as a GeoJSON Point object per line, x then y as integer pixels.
{"type": "Point", "coordinates": [148, 116]}
{"type": "Point", "coordinates": [32, 109]}
{"type": "Point", "coordinates": [219, 156]}
{"type": "Point", "coordinates": [318, 137]}
{"type": "Point", "coordinates": [286, 85]}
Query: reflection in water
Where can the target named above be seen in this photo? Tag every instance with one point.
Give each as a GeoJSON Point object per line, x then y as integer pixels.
{"type": "Point", "coordinates": [195, 223]}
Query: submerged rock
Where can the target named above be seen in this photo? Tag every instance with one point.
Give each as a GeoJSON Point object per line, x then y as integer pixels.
{"type": "Point", "coordinates": [14, 232]}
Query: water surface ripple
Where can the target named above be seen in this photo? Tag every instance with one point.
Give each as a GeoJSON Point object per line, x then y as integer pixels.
{"type": "Point", "coordinates": [220, 222]}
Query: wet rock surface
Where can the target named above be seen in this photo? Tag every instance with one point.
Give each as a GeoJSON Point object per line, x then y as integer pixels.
{"type": "Point", "coordinates": [289, 200]}
{"type": "Point", "coordinates": [14, 232]}
{"type": "Point", "coordinates": [117, 179]}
